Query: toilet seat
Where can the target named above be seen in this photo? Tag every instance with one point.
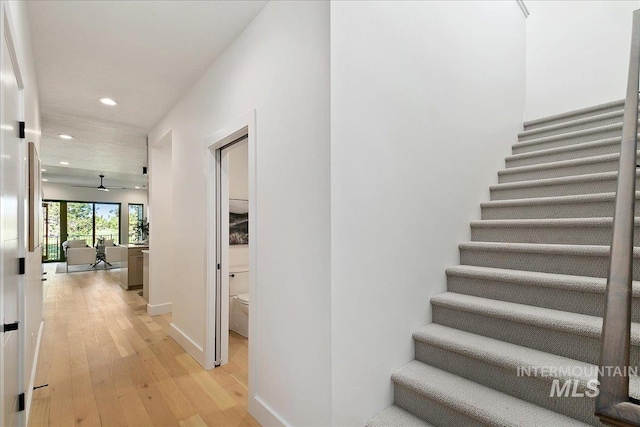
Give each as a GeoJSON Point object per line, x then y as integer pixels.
{"type": "Point", "coordinates": [243, 299]}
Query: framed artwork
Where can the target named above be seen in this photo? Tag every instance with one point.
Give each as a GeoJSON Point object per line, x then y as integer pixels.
{"type": "Point", "coordinates": [238, 222]}
{"type": "Point", "coordinates": [35, 198]}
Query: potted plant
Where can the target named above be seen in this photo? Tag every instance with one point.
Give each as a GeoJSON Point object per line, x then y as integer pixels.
{"type": "Point", "coordinates": [142, 230]}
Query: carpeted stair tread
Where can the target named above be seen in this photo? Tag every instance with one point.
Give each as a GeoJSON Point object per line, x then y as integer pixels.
{"type": "Point", "coordinates": [534, 278]}
{"type": "Point", "coordinates": [542, 248]}
{"type": "Point", "coordinates": [607, 145]}
{"type": "Point", "coordinates": [601, 176]}
{"type": "Point", "coordinates": [574, 114]}
{"type": "Point", "coordinates": [395, 416]}
{"type": "Point", "coordinates": [482, 404]}
{"type": "Point", "coordinates": [575, 323]}
{"type": "Point", "coordinates": [544, 222]}
{"type": "Point", "coordinates": [612, 128]}
{"type": "Point", "coordinates": [551, 200]}
{"type": "Point", "coordinates": [577, 124]}
{"type": "Point", "coordinates": [573, 167]}
{"type": "Point", "coordinates": [507, 355]}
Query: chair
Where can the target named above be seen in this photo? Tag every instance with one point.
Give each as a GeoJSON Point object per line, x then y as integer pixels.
{"type": "Point", "coordinates": [77, 253]}
{"type": "Point", "coordinates": [112, 252]}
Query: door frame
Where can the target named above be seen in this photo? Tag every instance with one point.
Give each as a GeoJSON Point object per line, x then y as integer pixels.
{"type": "Point", "coordinates": [7, 30]}
{"type": "Point", "coordinates": [244, 125]}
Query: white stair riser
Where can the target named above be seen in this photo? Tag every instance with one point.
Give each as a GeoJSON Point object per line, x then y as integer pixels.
{"type": "Point", "coordinates": [554, 142]}
{"type": "Point", "coordinates": [576, 116]}
{"type": "Point", "coordinates": [594, 122]}
{"type": "Point", "coordinates": [564, 235]}
{"type": "Point", "coordinates": [571, 300]}
{"type": "Point", "coordinates": [611, 146]}
{"type": "Point", "coordinates": [606, 165]}
{"type": "Point", "coordinates": [559, 263]}
{"type": "Point", "coordinates": [589, 209]}
{"type": "Point", "coordinates": [606, 185]}
{"type": "Point", "coordinates": [534, 390]}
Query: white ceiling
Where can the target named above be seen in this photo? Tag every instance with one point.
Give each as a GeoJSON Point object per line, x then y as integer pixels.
{"type": "Point", "coordinates": [143, 54]}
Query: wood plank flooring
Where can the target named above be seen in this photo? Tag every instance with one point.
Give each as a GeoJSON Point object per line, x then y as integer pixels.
{"type": "Point", "coordinates": [108, 363]}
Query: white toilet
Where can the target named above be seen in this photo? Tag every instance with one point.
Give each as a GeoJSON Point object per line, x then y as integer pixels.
{"type": "Point", "coordinates": [239, 300]}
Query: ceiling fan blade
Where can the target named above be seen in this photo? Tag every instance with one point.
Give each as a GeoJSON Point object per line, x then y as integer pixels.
{"type": "Point", "coordinates": [83, 186]}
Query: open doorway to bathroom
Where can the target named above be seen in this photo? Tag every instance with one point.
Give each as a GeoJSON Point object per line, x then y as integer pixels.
{"type": "Point", "coordinates": [231, 297]}
{"type": "Point", "coordinates": [233, 253]}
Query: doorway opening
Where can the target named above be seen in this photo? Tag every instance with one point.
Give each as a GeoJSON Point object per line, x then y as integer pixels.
{"type": "Point", "coordinates": [231, 251]}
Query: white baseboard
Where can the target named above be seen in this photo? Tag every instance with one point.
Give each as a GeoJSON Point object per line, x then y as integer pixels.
{"type": "Point", "coordinates": [188, 344]}
{"type": "Point", "coordinates": [36, 357]}
{"type": "Point", "coordinates": [264, 414]}
{"type": "Point", "coordinates": [154, 310]}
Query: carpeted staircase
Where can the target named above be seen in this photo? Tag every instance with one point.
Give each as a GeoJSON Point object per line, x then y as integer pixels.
{"type": "Point", "coordinates": [529, 290]}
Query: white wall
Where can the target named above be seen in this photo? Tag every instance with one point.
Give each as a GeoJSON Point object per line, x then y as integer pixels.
{"type": "Point", "coordinates": [279, 66]}
{"type": "Point", "coordinates": [577, 54]}
{"type": "Point", "coordinates": [33, 304]}
{"type": "Point", "coordinates": [426, 100]}
{"type": "Point", "coordinates": [163, 235]}
{"type": "Point", "coordinates": [124, 197]}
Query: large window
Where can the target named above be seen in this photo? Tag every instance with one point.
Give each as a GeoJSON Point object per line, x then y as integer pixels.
{"type": "Point", "coordinates": [89, 221]}
{"type": "Point", "coordinates": [135, 218]}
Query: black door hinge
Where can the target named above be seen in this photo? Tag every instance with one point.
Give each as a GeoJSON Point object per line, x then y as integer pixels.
{"type": "Point", "coordinates": [21, 406]}
{"type": "Point", "coordinates": [8, 327]}
{"type": "Point", "coordinates": [21, 265]}
{"type": "Point", "coordinates": [218, 266]}
{"type": "Point", "coordinates": [21, 131]}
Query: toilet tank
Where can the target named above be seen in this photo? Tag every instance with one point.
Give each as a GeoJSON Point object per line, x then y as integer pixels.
{"type": "Point", "coordinates": [238, 280]}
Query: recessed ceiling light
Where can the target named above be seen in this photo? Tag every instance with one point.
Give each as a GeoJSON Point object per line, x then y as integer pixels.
{"type": "Point", "coordinates": [45, 179]}
{"type": "Point", "coordinates": [108, 101]}
{"type": "Point", "coordinates": [137, 188]}
{"type": "Point", "coordinates": [64, 163]}
{"type": "Point", "coordinates": [43, 170]}
{"type": "Point", "coordinates": [64, 136]}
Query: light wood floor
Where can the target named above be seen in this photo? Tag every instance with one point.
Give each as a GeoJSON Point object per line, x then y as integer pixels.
{"type": "Point", "coordinates": [108, 363]}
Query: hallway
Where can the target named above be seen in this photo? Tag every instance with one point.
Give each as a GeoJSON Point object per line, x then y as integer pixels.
{"type": "Point", "coordinates": [107, 362]}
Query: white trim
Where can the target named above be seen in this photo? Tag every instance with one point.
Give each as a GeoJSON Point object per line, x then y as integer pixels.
{"type": "Point", "coordinates": [154, 310]}
{"type": "Point", "coordinates": [244, 125]}
{"type": "Point", "coordinates": [36, 357]}
{"type": "Point", "coordinates": [264, 414]}
{"type": "Point", "coordinates": [187, 343]}
{"type": "Point", "coordinates": [523, 8]}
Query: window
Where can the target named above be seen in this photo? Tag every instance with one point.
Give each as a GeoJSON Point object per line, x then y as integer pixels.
{"type": "Point", "coordinates": [90, 221]}
{"type": "Point", "coordinates": [135, 218]}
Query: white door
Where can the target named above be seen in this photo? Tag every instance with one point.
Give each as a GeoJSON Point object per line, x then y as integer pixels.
{"type": "Point", "coordinates": [10, 149]}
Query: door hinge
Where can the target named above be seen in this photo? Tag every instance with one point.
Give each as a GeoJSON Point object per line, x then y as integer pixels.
{"type": "Point", "coordinates": [21, 131]}
{"type": "Point", "coordinates": [8, 327]}
{"type": "Point", "coordinates": [21, 265]}
{"type": "Point", "coordinates": [218, 266]}
{"type": "Point", "coordinates": [21, 406]}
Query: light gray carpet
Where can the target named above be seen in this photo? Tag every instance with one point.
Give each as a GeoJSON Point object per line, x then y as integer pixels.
{"type": "Point", "coordinates": [529, 290]}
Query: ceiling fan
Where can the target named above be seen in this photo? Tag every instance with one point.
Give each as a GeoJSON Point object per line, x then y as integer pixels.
{"type": "Point", "coordinates": [101, 187]}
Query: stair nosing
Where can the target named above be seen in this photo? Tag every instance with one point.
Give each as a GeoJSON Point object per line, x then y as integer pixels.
{"type": "Point", "coordinates": [574, 323]}
{"type": "Point", "coordinates": [601, 158]}
{"type": "Point", "coordinates": [573, 198]}
{"type": "Point", "coordinates": [569, 135]}
{"type": "Point", "coordinates": [547, 222]}
{"type": "Point", "coordinates": [542, 182]}
{"type": "Point", "coordinates": [565, 148]}
{"type": "Point", "coordinates": [577, 112]}
{"type": "Point", "coordinates": [405, 377]}
{"type": "Point", "coordinates": [576, 122]}
{"type": "Point", "coordinates": [498, 352]}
